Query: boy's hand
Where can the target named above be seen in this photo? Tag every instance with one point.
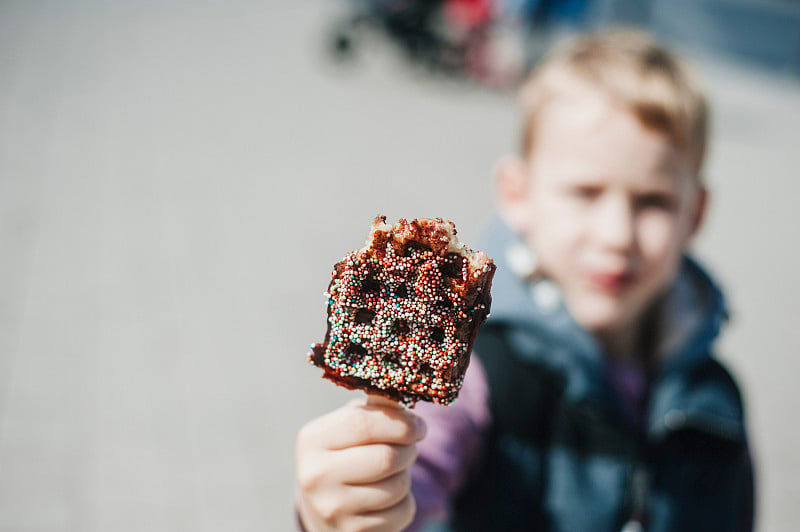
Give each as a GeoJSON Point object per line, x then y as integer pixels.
{"type": "Point", "coordinates": [352, 467]}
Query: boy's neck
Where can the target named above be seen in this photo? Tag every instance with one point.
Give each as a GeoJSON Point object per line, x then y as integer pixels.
{"type": "Point", "coordinates": [634, 343]}
{"type": "Point", "coordinates": [621, 345]}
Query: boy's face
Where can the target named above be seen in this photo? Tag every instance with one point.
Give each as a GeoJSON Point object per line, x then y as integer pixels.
{"type": "Point", "coordinates": [608, 207]}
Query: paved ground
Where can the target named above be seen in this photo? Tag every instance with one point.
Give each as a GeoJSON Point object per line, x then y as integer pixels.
{"type": "Point", "coordinates": [177, 178]}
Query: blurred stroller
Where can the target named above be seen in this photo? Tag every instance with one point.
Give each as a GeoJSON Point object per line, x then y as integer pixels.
{"type": "Point", "coordinates": [443, 36]}
{"type": "Point", "coordinates": [492, 42]}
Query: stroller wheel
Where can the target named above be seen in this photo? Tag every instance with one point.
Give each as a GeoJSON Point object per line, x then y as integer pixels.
{"type": "Point", "coordinates": [341, 40]}
{"type": "Point", "coordinates": [342, 45]}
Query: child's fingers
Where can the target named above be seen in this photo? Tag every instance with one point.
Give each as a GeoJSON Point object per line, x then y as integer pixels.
{"type": "Point", "coordinates": [390, 519]}
{"type": "Point", "coordinates": [364, 498]}
{"type": "Point", "coordinates": [379, 495]}
{"type": "Point", "coordinates": [361, 464]}
{"type": "Point", "coordinates": [371, 463]}
{"type": "Point", "coordinates": [359, 424]}
{"type": "Point", "coordinates": [398, 517]}
{"type": "Point", "coordinates": [352, 467]}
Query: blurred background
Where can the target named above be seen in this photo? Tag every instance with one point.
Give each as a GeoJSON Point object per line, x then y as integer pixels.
{"type": "Point", "coordinates": [178, 177]}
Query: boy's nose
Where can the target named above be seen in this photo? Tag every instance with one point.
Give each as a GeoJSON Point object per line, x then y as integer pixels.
{"type": "Point", "coordinates": [614, 224]}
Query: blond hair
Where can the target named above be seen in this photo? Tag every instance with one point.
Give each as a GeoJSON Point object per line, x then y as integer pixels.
{"type": "Point", "coordinates": [635, 71]}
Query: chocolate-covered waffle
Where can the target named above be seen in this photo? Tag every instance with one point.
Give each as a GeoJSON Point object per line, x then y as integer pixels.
{"type": "Point", "coordinates": [403, 312]}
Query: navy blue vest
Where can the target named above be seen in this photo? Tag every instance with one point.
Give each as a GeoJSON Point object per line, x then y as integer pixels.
{"type": "Point", "coordinates": [560, 462]}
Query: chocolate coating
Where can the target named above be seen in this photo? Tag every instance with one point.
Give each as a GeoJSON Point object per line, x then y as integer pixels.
{"type": "Point", "coordinates": [403, 312]}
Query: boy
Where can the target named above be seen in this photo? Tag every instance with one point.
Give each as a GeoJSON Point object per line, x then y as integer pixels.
{"type": "Point", "coordinates": [592, 402]}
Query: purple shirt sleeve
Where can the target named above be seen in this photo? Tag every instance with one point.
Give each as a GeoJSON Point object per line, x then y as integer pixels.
{"type": "Point", "coordinates": [452, 447]}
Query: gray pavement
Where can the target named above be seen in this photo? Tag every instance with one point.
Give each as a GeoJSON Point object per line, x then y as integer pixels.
{"type": "Point", "coordinates": [176, 180]}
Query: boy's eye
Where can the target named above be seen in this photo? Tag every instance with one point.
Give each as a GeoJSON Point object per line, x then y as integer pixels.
{"type": "Point", "coordinates": [657, 201]}
{"type": "Point", "coordinates": [587, 192]}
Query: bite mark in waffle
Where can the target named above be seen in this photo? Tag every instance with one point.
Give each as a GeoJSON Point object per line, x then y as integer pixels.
{"type": "Point", "coordinates": [403, 312]}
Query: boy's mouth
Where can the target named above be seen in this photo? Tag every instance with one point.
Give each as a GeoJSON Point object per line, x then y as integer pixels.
{"type": "Point", "coordinates": [611, 282]}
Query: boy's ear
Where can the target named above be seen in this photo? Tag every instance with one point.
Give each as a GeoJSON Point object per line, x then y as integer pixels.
{"type": "Point", "coordinates": [510, 182]}
{"type": "Point", "coordinates": [700, 209]}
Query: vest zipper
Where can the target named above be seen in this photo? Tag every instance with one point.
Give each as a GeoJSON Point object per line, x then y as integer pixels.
{"type": "Point", "coordinates": [639, 485]}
